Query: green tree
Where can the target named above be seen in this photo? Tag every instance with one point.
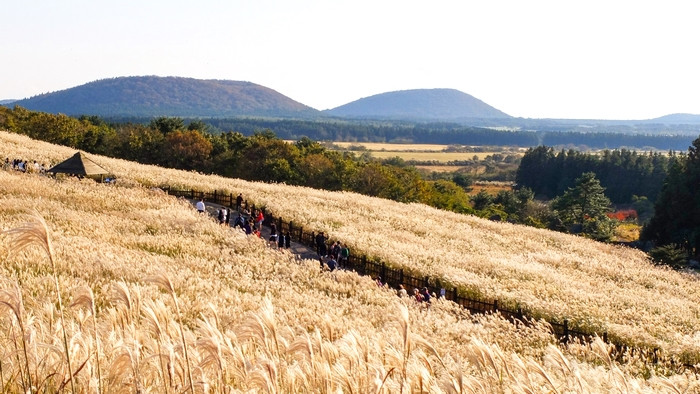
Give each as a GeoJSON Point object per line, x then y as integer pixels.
{"type": "Point", "coordinates": [167, 125]}
{"type": "Point", "coordinates": [676, 217]}
{"type": "Point", "coordinates": [186, 150]}
{"type": "Point", "coordinates": [482, 200]}
{"type": "Point", "coordinates": [585, 206]}
{"type": "Point", "coordinates": [671, 254]}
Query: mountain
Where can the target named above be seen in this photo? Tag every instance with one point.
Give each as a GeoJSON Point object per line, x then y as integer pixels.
{"type": "Point", "coordinates": [677, 119]}
{"type": "Point", "coordinates": [4, 102]}
{"type": "Point", "coordinates": [150, 96]}
{"type": "Point", "coordinates": [419, 104]}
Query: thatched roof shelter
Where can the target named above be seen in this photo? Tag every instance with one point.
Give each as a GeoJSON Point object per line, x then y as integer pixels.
{"type": "Point", "coordinates": [80, 165]}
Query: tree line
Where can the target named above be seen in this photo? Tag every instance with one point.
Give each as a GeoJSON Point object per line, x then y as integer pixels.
{"type": "Point", "coordinates": [332, 129]}
{"type": "Point", "coordinates": [579, 185]}
{"type": "Point", "coordinates": [623, 173]}
{"type": "Point", "coordinates": [262, 156]}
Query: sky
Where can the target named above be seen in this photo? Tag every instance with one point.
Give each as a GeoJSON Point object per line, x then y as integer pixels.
{"type": "Point", "coordinates": [532, 59]}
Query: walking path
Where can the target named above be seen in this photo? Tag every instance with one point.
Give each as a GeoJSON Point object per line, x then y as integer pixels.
{"type": "Point", "coordinates": [300, 250]}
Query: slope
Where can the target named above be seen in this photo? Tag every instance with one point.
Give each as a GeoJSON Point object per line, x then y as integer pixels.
{"type": "Point", "coordinates": [232, 313]}
{"type": "Point", "coordinates": [419, 104]}
{"type": "Point", "coordinates": [151, 96]}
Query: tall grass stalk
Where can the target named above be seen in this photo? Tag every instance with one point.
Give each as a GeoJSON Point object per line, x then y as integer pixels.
{"type": "Point", "coordinates": [164, 282]}
{"type": "Point", "coordinates": [13, 301]}
{"type": "Point", "coordinates": [36, 232]}
{"type": "Point", "coordinates": [86, 298]}
{"type": "Point", "coordinates": [152, 317]}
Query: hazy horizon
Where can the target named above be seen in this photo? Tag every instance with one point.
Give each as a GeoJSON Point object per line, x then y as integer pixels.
{"type": "Point", "coordinates": [540, 59]}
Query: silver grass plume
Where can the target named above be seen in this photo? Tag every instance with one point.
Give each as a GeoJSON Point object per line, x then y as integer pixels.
{"type": "Point", "coordinates": [84, 297]}
{"type": "Point", "coordinates": [164, 282]}
{"type": "Point", "coordinates": [36, 232]}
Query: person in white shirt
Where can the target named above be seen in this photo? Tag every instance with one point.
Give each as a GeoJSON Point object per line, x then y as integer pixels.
{"type": "Point", "coordinates": [200, 206]}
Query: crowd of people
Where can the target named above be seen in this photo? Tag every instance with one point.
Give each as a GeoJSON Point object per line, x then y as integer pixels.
{"type": "Point", "coordinates": [24, 166]}
{"type": "Point", "coordinates": [331, 255]}
{"type": "Point", "coordinates": [249, 221]}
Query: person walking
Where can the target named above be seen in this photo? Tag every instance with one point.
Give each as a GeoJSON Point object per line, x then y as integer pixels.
{"type": "Point", "coordinates": [239, 202]}
{"type": "Point", "coordinates": [321, 244]}
{"type": "Point", "coordinates": [201, 208]}
{"type": "Point", "coordinates": [280, 240]}
{"type": "Point", "coordinates": [259, 220]}
{"type": "Point", "coordinates": [344, 256]}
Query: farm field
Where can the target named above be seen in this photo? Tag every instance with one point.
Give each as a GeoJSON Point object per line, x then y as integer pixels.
{"type": "Point", "coordinates": [248, 311]}
{"type": "Point", "coordinates": [423, 152]}
{"type": "Point", "coordinates": [445, 168]}
{"type": "Point", "coordinates": [379, 146]}
{"type": "Point", "coordinates": [490, 187]}
{"type": "Point", "coordinates": [440, 157]}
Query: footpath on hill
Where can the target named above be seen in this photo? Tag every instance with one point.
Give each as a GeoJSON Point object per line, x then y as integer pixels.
{"type": "Point", "coordinates": [298, 249]}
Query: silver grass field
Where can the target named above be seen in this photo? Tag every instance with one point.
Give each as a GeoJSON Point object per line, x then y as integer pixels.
{"type": "Point", "coordinates": [122, 288]}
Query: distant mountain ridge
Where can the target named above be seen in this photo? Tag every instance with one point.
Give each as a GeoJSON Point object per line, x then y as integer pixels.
{"type": "Point", "coordinates": [153, 96]}
{"type": "Point", "coordinates": [677, 119]}
{"type": "Point", "coordinates": [419, 104]}
{"type": "Point", "coordinates": [168, 96]}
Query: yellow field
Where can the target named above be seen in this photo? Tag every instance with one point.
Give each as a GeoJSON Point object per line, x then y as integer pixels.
{"type": "Point", "coordinates": [441, 157]}
{"type": "Point", "coordinates": [439, 168]}
{"type": "Point", "coordinates": [232, 315]}
{"type": "Point", "coordinates": [490, 187]}
{"type": "Point", "coordinates": [377, 146]}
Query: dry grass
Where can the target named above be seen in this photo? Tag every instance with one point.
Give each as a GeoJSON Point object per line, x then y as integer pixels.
{"type": "Point", "coordinates": [440, 157]}
{"type": "Point", "coordinates": [595, 286]}
{"type": "Point", "coordinates": [378, 146]}
{"type": "Point", "coordinates": [490, 187]}
{"type": "Point", "coordinates": [254, 319]}
{"type": "Point", "coordinates": [440, 168]}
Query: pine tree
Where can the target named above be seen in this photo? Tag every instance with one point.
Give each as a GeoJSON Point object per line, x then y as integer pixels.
{"type": "Point", "coordinates": [585, 206]}
{"type": "Point", "coordinates": [676, 217]}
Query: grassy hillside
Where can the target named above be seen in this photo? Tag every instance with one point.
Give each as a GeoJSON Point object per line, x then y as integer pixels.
{"type": "Point", "coordinates": [596, 286]}
{"type": "Point", "coordinates": [257, 319]}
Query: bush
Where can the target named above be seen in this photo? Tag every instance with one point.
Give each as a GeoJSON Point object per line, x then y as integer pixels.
{"type": "Point", "coordinates": [672, 255]}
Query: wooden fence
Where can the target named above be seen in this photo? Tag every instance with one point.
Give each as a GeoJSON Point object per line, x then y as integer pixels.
{"type": "Point", "coordinates": [394, 277]}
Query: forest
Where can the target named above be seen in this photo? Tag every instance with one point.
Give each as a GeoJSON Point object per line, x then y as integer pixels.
{"type": "Point", "coordinates": [623, 173]}
{"type": "Point", "coordinates": [332, 129]}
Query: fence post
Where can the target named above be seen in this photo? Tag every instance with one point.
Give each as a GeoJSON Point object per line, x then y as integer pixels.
{"type": "Point", "coordinates": [215, 200]}
{"type": "Point", "coordinates": [301, 235]}
{"type": "Point", "coordinates": [495, 305]}
{"type": "Point", "coordinates": [364, 264]}
{"type": "Point", "coordinates": [454, 295]}
{"type": "Point", "coordinates": [426, 281]}
{"type": "Point", "coordinates": [192, 193]}
{"type": "Point", "coordinates": [605, 337]}
{"type": "Point", "coordinates": [382, 272]}
{"type": "Point", "coordinates": [566, 331]}
{"type": "Point", "coordinates": [401, 276]}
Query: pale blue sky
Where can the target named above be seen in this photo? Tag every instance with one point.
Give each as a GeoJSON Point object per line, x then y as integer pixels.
{"type": "Point", "coordinates": [535, 59]}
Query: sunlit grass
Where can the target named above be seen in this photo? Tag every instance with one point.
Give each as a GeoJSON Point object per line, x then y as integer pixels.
{"type": "Point", "coordinates": [254, 319]}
